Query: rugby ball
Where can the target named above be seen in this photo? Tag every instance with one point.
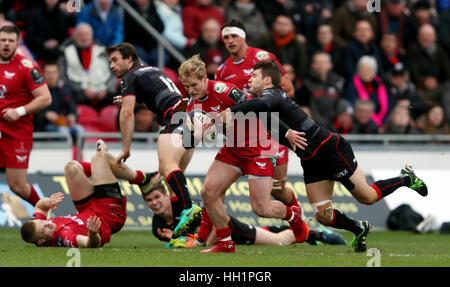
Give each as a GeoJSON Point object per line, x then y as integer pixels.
{"type": "Point", "coordinates": [203, 117]}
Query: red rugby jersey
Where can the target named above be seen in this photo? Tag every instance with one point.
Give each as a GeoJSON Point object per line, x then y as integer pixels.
{"type": "Point", "coordinates": [18, 78]}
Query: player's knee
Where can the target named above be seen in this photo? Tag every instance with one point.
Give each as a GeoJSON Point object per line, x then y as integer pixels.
{"type": "Point", "coordinates": [323, 211]}
{"type": "Point", "coordinates": [206, 194]}
{"type": "Point", "coordinates": [72, 167]}
{"type": "Point", "coordinates": [99, 156]}
{"type": "Point", "coordinates": [324, 217]}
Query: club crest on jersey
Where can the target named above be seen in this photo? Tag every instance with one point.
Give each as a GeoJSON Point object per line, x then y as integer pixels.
{"type": "Point", "coordinates": [9, 75]}
{"type": "Point", "coordinates": [220, 88]}
{"type": "Point", "coordinates": [27, 63]}
{"type": "Point", "coordinates": [262, 55]}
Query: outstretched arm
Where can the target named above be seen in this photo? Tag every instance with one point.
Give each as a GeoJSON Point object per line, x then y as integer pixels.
{"type": "Point", "coordinates": [44, 204]}
{"type": "Point", "coordinates": [126, 126]}
{"type": "Point", "coordinates": [93, 240]}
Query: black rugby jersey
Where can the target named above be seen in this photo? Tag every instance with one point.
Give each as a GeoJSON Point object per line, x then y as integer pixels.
{"type": "Point", "coordinates": [151, 87]}
{"type": "Point", "coordinates": [275, 100]}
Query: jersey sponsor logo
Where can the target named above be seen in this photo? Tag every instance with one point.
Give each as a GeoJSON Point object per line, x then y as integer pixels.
{"type": "Point", "coordinates": [21, 159]}
{"type": "Point", "coordinates": [27, 63]}
{"type": "Point", "coordinates": [9, 75]}
{"type": "Point", "coordinates": [220, 88]}
{"type": "Point", "coordinates": [37, 78]}
{"type": "Point", "coordinates": [248, 72]}
{"type": "Point", "coordinates": [262, 55]}
{"type": "Point", "coordinates": [3, 91]}
{"type": "Point", "coordinates": [341, 173]}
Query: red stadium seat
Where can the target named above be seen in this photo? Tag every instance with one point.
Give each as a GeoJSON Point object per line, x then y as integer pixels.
{"type": "Point", "coordinates": [89, 119]}
{"type": "Point", "coordinates": [87, 115]}
{"type": "Point", "coordinates": [108, 118]}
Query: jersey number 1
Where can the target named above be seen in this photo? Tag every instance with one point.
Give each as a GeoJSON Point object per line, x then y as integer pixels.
{"type": "Point", "coordinates": [170, 85]}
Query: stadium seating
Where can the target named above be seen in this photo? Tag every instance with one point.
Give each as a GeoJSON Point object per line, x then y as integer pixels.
{"type": "Point", "coordinates": [108, 118]}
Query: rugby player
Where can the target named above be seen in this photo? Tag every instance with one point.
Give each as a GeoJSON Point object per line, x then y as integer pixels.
{"type": "Point", "coordinates": [142, 84]}
{"type": "Point", "coordinates": [99, 202]}
{"type": "Point", "coordinates": [327, 158]}
{"type": "Point", "coordinates": [167, 209]}
{"type": "Point", "coordinates": [237, 70]}
{"type": "Point", "coordinates": [23, 92]}
{"type": "Point", "coordinates": [250, 154]}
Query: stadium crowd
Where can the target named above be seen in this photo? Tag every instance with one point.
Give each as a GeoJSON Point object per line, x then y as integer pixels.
{"type": "Point", "coordinates": [353, 71]}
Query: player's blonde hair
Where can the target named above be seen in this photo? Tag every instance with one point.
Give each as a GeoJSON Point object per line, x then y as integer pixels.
{"type": "Point", "coordinates": [192, 65]}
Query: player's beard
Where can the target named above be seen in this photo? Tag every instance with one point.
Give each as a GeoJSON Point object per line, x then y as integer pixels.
{"type": "Point", "coordinates": [8, 57]}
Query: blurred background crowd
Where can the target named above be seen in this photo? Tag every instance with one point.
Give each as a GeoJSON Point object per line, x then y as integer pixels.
{"type": "Point", "coordinates": [354, 71]}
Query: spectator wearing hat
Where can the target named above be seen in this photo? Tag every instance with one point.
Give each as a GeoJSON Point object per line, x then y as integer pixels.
{"type": "Point", "coordinates": [343, 121]}
{"type": "Point", "coordinates": [429, 65]}
{"type": "Point", "coordinates": [209, 40]}
{"type": "Point", "coordinates": [393, 19]}
{"type": "Point", "coordinates": [281, 41]}
{"type": "Point", "coordinates": [391, 53]}
{"type": "Point", "coordinates": [402, 91]}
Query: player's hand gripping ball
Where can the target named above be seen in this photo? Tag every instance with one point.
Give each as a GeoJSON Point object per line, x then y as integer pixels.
{"type": "Point", "coordinates": [203, 126]}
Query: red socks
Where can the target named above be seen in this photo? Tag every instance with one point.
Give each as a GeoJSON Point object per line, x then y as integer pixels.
{"type": "Point", "coordinates": [138, 179]}
{"type": "Point", "coordinates": [86, 167]}
{"type": "Point", "coordinates": [205, 226]}
{"type": "Point", "coordinates": [33, 198]}
{"type": "Point", "coordinates": [223, 233]}
{"type": "Point", "coordinates": [288, 213]}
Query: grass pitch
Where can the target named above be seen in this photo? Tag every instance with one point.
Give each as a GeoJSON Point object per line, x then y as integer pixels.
{"type": "Point", "coordinates": [141, 249]}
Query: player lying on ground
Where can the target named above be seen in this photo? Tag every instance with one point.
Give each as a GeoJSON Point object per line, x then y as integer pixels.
{"type": "Point", "coordinates": [100, 204]}
{"type": "Point", "coordinates": [167, 211]}
{"type": "Point", "coordinates": [327, 158]}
